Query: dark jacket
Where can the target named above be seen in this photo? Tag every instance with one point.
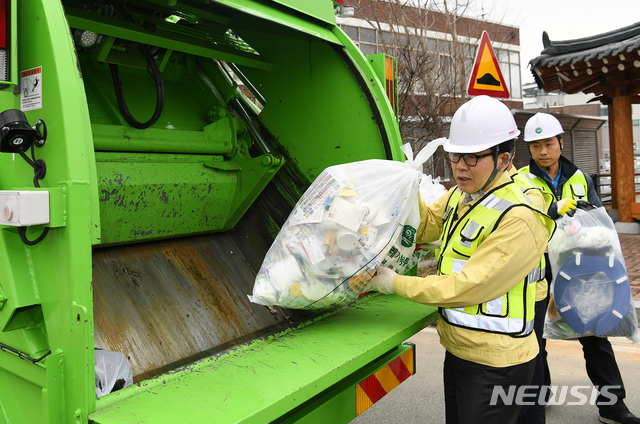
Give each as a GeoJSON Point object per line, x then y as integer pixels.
{"type": "Point", "coordinates": [566, 171]}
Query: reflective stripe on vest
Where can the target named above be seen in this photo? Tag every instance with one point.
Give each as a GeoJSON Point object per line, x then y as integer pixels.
{"type": "Point", "coordinates": [510, 326]}
{"type": "Point", "coordinates": [513, 312]}
{"type": "Point", "coordinates": [574, 188]}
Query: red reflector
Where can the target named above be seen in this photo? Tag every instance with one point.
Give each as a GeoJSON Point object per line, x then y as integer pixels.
{"type": "Point", "coordinates": [377, 385]}
{"type": "Point", "coordinates": [399, 369]}
{"type": "Point", "coordinates": [373, 388]}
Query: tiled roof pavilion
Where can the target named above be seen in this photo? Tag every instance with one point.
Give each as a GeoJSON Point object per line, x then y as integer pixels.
{"type": "Point", "coordinates": [608, 66]}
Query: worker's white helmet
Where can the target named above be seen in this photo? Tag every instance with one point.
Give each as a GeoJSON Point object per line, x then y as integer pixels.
{"type": "Point", "coordinates": [479, 124]}
{"type": "Point", "coordinates": [542, 126]}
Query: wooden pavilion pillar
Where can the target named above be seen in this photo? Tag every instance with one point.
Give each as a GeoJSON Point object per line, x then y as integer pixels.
{"type": "Point", "coordinates": [612, 158]}
{"type": "Point", "coordinates": [622, 162]}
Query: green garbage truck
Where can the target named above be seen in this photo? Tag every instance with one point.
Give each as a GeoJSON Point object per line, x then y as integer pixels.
{"type": "Point", "coordinates": [150, 151]}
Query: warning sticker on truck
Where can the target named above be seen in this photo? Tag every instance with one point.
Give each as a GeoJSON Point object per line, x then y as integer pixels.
{"type": "Point", "coordinates": [31, 89]}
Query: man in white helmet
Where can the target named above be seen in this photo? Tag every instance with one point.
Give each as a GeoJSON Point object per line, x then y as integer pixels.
{"type": "Point", "coordinates": [553, 172]}
{"type": "Point", "coordinates": [493, 238]}
{"type": "Point", "coordinates": [559, 177]}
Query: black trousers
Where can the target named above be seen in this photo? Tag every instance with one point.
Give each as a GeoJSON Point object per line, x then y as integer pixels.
{"type": "Point", "coordinates": [603, 370]}
{"type": "Point", "coordinates": [601, 365]}
{"type": "Point", "coordinates": [469, 389]}
{"type": "Point", "coordinates": [534, 414]}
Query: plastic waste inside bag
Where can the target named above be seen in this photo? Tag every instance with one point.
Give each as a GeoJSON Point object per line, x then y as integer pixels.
{"type": "Point", "coordinates": [353, 218]}
{"type": "Point", "coordinates": [590, 291]}
{"type": "Point", "coordinates": [113, 372]}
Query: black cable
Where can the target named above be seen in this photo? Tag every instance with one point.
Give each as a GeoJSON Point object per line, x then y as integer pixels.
{"type": "Point", "coordinates": [153, 69]}
{"type": "Point", "coordinates": [40, 169]}
{"type": "Point", "coordinates": [22, 231]}
{"type": "Point", "coordinates": [22, 355]}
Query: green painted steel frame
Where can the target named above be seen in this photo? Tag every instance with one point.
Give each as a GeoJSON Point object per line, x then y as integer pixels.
{"type": "Point", "coordinates": [45, 290]}
{"type": "Point", "coordinates": [52, 279]}
{"type": "Point", "coordinates": [338, 404]}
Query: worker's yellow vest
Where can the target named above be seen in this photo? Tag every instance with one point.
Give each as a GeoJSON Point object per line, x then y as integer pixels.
{"type": "Point", "coordinates": [513, 312]}
{"type": "Point", "coordinates": [574, 188]}
{"type": "Point", "coordinates": [525, 185]}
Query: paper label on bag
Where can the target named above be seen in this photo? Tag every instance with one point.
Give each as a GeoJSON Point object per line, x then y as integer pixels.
{"type": "Point", "coordinates": [313, 250]}
{"type": "Point", "coordinates": [315, 200]}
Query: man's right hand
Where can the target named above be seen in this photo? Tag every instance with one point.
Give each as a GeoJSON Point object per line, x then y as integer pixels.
{"type": "Point", "coordinates": [383, 281]}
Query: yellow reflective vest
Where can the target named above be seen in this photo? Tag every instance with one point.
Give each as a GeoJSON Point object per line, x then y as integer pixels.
{"type": "Point", "coordinates": [526, 185]}
{"type": "Point", "coordinates": [512, 313]}
{"type": "Point", "coordinates": [574, 188]}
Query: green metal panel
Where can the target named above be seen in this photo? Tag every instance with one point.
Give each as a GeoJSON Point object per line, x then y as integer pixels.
{"type": "Point", "coordinates": [271, 11]}
{"type": "Point", "coordinates": [322, 10]}
{"type": "Point", "coordinates": [123, 29]}
{"type": "Point", "coordinates": [338, 403]}
{"type": "Point", "coordinates": [338, 122]}
{"type": "Point", "coordinates": [260, 382]}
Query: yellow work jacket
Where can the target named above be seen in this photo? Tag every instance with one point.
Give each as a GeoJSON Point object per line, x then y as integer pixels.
{"type": "Point", "coordinates": [512, 250]}
{"type": "Point", "coordinates": [511, 313]}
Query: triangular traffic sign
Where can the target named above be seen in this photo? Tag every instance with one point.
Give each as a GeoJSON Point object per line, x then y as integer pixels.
{"type": "Point", "coordinates": [486, 77]}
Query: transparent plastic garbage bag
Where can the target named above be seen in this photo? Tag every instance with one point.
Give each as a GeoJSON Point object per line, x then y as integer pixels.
{"type": "Point", "coordinates": [113, 372]}
{"type": "Point", "coordinates": [352, 219]}
{"type": "Point", "coordinates": [590, 292]}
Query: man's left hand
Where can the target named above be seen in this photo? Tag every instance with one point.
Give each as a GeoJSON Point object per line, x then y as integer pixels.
{"type": "Point", "coordinates": [566, 205]}
{"type": "Point", "coordinates": [383, 281]}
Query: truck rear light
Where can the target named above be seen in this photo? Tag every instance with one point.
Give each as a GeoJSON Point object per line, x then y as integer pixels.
{"type": "Point", "coordinates": [4, 30]}
{"type": "Point", "coordinates": [377, 385]}
{"type": "Point", "coordinates": [85, 38]}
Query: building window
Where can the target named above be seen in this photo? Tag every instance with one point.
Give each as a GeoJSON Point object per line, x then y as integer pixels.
{"type": "Point", "coordinates": [509, 62]}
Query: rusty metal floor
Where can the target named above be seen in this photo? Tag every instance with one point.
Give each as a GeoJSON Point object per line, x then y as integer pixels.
{"type": "Point", "coordinates": [171, 302]}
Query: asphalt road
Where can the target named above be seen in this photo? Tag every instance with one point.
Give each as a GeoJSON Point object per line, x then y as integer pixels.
{"type": "Point", "coordinates": [420, 400]}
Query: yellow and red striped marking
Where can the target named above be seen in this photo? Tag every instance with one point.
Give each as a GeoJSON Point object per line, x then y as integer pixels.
{"type": "Point", "coordinates": [390, 80]}
{"type": "Point", "coordinates": [377, 385]}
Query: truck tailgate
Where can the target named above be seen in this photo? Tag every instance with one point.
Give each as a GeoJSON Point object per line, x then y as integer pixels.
{"type": "Point", "coordinates": [258, 382]}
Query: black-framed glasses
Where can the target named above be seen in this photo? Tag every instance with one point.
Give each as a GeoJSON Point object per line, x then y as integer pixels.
{"type": "Point", "coordinates": [469, 158]}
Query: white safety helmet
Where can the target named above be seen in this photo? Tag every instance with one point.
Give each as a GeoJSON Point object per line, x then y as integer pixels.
{"type": "Point", "coordinates": [479, 124]}
{"type": "Point", "coordinates": [542, 126]}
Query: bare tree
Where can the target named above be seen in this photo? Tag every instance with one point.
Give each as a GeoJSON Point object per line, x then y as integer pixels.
{"type": "Point", "coordinates": [433, 72]}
